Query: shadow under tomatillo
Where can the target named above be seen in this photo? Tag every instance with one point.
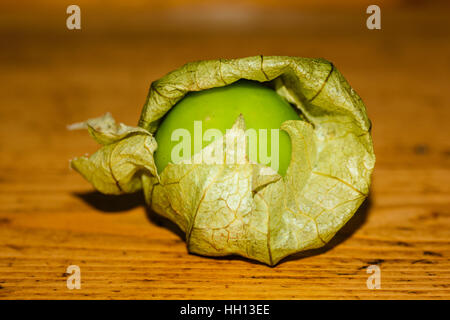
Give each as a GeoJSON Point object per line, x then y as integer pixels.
{"type": "Point", "coordinates": [115, 204]}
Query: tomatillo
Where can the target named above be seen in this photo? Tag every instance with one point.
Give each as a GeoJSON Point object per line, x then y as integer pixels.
{"type": "Point", "coordinates": [218, 108]}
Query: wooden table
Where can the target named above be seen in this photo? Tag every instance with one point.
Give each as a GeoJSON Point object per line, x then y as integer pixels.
{"type": "Point", "coordinates": [51, 218]}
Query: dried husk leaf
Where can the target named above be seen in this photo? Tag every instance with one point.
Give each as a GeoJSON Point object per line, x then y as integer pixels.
{"type": "Point", "coordinates": [127, 153]}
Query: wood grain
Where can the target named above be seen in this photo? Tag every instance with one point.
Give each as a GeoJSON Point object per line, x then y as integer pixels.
{"type": "Point", "coordinates": [51, 218]}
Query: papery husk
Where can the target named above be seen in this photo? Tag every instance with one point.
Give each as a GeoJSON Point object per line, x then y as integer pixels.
{"type": "Point", "coordinates": [248, 209]}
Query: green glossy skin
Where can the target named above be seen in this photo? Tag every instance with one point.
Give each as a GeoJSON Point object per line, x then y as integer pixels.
{"type": "Point", "coordinates": [219, 108]}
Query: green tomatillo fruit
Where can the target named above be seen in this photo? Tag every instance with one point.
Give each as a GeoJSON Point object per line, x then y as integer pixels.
{"type": "Point", "coordinates": [262, 108]}
{"type": "Point", "coordinates": [323, 164]}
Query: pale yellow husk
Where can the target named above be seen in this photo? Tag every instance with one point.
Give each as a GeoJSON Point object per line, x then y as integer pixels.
{"type": "Point", "coordinates": [247, 209]}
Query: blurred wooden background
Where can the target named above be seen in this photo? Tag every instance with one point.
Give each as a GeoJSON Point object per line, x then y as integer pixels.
{"type": "Point", "coordinates": [50, 217]}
